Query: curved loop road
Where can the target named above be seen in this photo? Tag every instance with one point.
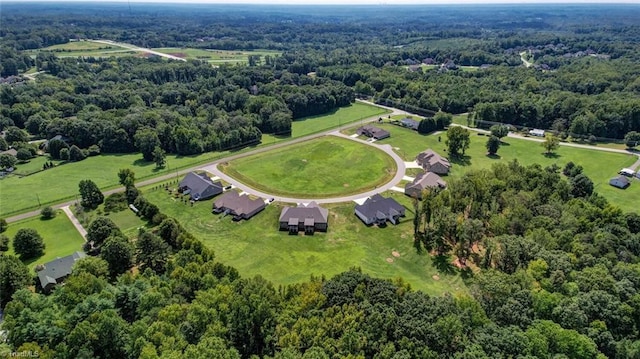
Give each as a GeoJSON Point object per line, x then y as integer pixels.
{"type": "Point", "coordinates": [213, 169]}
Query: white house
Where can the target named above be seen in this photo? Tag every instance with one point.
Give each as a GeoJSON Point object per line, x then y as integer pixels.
{"type": "Point", "coordinates": [536, 132]}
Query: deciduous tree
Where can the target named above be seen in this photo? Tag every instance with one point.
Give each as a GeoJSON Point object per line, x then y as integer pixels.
{"type": "Point", "coordinates": [91, 195]}
{"type": "Point", "coordinates": [126, 176]}
{"type": "Point", "coordinates": [550, 143]}
{"type": "Point", "coordinates": [28, 243]}
{"type": "Point", "coordinates": [458, 140]}
{"type": "Point", "coordinates": [7, 160]}
{"type": "Point", "coordinates": [14, 275]}
{"type": "Point", "coordinates": [493, 144]}
{"type": "Point", "coordinates": [117, 251]}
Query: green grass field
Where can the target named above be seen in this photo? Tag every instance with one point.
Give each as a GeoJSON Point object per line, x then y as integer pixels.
{"type": "Point", "coordinates": [126, 220]}
{"type": "Point", "coordinates": [598, 165]}
{"type": "Point", "coordinates": [88, 48]}
{"type": "Point", "coordinates": [257, 247]}
{"type": "Point", "coordinates": [324, 167]}
{"type": "Point", "coordinates": [340, 117]}
{"type": "Point", "coordinates": [216, 56]}
{"type": "Point", "coordinates": [60, 236]}
{"type": "Point", "coordinates": [19, 195]}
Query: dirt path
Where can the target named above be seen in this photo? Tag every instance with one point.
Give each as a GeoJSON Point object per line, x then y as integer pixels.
{"type": "Point", "coordinates": [75, 221]}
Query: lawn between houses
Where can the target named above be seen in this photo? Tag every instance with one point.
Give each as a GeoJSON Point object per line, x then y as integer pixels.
{"type": "Point", "coordinates": [324, 167]}
{"type": "Point", "coordinates": [257, 247]}
{"type": "Point", "coordinates": [60, 237]}
{"type": "Point", "coordinates": [21, 194]}
{"type": "Point", "coordinates": [600, 166]}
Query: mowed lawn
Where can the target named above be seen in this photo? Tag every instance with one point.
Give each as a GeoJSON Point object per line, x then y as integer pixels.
{"type": "Point", "coordinates": [18, 194]}
{"type": "Point", "coordinates": [88, 48]}
{"type": "Point", "coordinates": [324, 167]}
{"type": "Point", "coordinates": [216, 56]}
{"type": "Point", "coordinates": [600, 166]}
{"type": "Point", "coordinates": [60, 237]}
{"type": "Point", "coordinates": [339, 117]}
{"type": "Point", "coordinates": [257, 247]}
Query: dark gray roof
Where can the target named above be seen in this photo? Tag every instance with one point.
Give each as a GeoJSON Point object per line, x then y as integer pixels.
{"type": "Point", "coordinates": [409, 123]}
{"type": "Point", "coordinates": [302, 212]}
{"type": "Point", "coordinates": [11, 151]}
{"type": "Point", "coordinates": [58, 268]}
{"type": "Point", "coordinates": [238, 204]}
{"type": "Point", "coordinates": [200, 185]}
{"type": "Point", "coordinates": [372, 131]}
{"type": "Point", "coordinates": [620, 181]}
{"type": "Point", "coordinates": [426, 179]}
{"type": "Point", "coordinates": [380, 207]}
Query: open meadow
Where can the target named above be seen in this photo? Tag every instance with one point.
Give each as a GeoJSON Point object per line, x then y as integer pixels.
{"type": "Point", "coordinates": [88, 49]}
{"type": "Point", "coordinates": [324, 167]}
{"type": "Point", "coordinates": [60, 237]}
{"type": "Point", "coordinates": [36, 190]}
{"type": "Point", "coordinates": [214, 56]}
{"type": "Point", "coordinates": [600, 166]}
{"type": "Point", "coordinates": [257, 247]}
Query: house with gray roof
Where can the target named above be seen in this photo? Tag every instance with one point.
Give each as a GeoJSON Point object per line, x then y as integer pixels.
{"type": "Point", "coordinates": [433, 162]}
{"type": "Point", "coordinates": [308, 218]}
{"type": "Point", "coordinates": [11, 151]}
{"type": "Point", "coordinates": [423, 181]}
{"type": "Point", "coordinates": [620, 182]}
{"type": "Point", "coordinates": [237, 205]}
{"type": "Point", "coordinates": [199, 186]}
{"type": "Point", "coordinates": [57, 270]}
{"type": "Point", "coordinates": [378, 210]}
{"type": "Point", "coordinates": [409, 123]}
{"type": "Point", "coordinates": [373, 132]}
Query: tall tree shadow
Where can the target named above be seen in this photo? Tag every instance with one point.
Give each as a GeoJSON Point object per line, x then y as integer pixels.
{"type": "Point", "coordinates": [462, 160]}
{"type": "Point", "coordinates": [443, 264]}
{"type": "Point", "coordinates": [551, 155]}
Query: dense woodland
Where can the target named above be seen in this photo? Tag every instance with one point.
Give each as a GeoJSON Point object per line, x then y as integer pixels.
{"type": "Point", "coordinates": [552, 269]}
{"type": "Point", "coordinates": [556, 273]}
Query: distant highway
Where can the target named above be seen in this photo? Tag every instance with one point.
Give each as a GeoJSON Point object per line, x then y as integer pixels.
{"type": "Point", "coordinates": [137, 48]}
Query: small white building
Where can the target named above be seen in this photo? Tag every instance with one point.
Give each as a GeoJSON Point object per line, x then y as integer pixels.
{"type": "Point", "coordinates": [627, 172]}
{"type": "Point", "coordinates": [536, 132]}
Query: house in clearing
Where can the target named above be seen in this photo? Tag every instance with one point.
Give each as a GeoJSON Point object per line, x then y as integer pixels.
{"type": "Point", "coordinates": [378, 210]}
{"type": "Point", "coordinates": [308, 218]}
{"type": "Point", "coordinates": [627, 172]}
{"type": "Point", "coordinates": [537, 133]}
{"type": "Point", "coordinates": [620, 182]}
{"type": "Point", "coordinates": [199, 186]}
{"type": "Point", "coordinates": [423, 181]}
{"type": "Point", "coordinates": [409, 123]}
{"type": "Point", "coordinates": [373, 132]}
{"type": "Point", "coordinates": [240, 206]}
{"type": "Point", "coordinates": [11, 152]}
{"type": "Point", "coordinates": [57, 270]}
{"type": "Point", "coordinates": [433, 162]}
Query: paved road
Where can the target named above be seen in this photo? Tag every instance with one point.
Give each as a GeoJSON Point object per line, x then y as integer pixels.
{"type": "Point", "coordinates": [230, 158]}
{"type": "Point", "coordinates": [137, 48]}
{"type": "Point", "coordinates": [75, 221]}
{"type": "Point", "coordinates": [213, 169]}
